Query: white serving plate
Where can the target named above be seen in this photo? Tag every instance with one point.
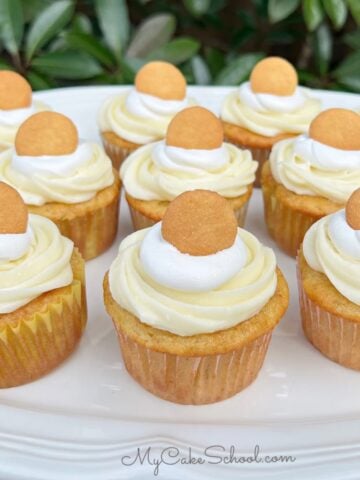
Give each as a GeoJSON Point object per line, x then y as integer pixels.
{"type": "Point", "coordinates": [79, 421]}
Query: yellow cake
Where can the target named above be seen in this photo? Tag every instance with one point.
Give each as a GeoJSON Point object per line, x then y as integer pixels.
{"type": "Point", "coordinates": [72, 183]}
{"type": "Point", "coordinates": [42, 293]}
{"type": "Point", "coordinates": [193, 321]}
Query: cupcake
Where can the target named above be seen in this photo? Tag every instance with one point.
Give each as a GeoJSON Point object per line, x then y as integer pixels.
{"type": "Point", "coordinates": [142, 114]}
{"type": "Point", "coordinates": [194, 300]}
{"type": "Point", "coordinates": [329, 284]}
{"type": "Point", "coordinates": [268, 108]}
{"type": "Point", "coordinates": [42, 293]}
{"type": "Point", "coordinates": [311, 176]}
{"type": "Point", "coordinates": [192, 156]}
{"type": "Point", "coordinates": [71, 182]}
{"type": "Point", "coordinates": [16, 105]}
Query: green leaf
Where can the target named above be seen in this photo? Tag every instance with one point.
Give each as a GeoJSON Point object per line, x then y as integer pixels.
{"type": "Point", "coordinates": [47, 24]}
{"type": "Point", "coordinates": [129, 68]}
{"type": "Point", "coordinates": [280, 9]}
{"type": "Point", "coordinates": [323, 44]}
{"type": "Point", "coordinates": [176, 51]}
{"type": "Point", "coordinates": [38, 82]}
{"type": "Point", "coordinates": [238, 70]}
{"type": "Point", "coordinates": [153, 33]}
{"type": "Point", "coordinates": [32, 8]}
{"type": "Point", "coordinates": [4, 65]}
{"type": "Point", "coordinates": [81, 24]}
{"type": "Point", "coordinates": [313, 13]}
{"type": "Point", "coordinates": [113, 18]}
{"type": "Point", "coordinates": [349, 66]}
{"type": "Point", "coordinates": [337, 11]}
{"type": "Point", "coordinates": [197, 8]}
{"type": "Point", "coordinates": [353, 39]}
{"type": "Point", "coordinates": [71, 65]}
{"type": "Point", "coordinates": [91, 45]}
{"type": "Point", "coordinates": [354, 7]}
{"type": "Point", "coordinates": [215, 60]}
{"type": "Point", "coordinates": [200, 71]}
{"type": "Point", "coordinates": [351, 81]}
{"type": "Point", "coordinates": [11, 24]}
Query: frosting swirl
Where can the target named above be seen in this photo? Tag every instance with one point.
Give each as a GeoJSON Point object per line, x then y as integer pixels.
{"type": "Point", "coordinates": [269, 115]}
{"type": "Point", "coordinates": [139, 117]}
{"type": "Point", "coordinates": [243, 294]}
{"type": "Point", "coordinates": [162, 172]}
{"type": "Point", "coordinates": [44, 266]}
{"type": "Point", "coordinates": [307, 167]}
{"type": "Point", "coordinates": [10, 121]}
{"type": "Point", "coordinates": [66, 179]}
{"type": "Point", "coordinates": [332, 247]}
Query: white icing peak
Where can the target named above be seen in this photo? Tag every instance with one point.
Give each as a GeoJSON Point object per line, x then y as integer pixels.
{"type": "Point", "coordinates": [189, 160]}
{"type": "Point", "coordinates": [345, 238]}
{"type": "Point", "coordinates": [265, 102]}
{"type": "Point", "coordinates": [324, 156]}
{"type": "Point", "coordinates": [165, 264]}
{"type": "Point", "coordinates": [16, 116]}
{"type": "Point", "coordinates": [14, 245]}
{"type": "Point", "coordinates": [149, 106]}
{"type": "Point", "coordinates": [61, 165]}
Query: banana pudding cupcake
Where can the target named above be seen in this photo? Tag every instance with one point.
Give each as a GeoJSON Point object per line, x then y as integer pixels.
{"type": "Point", "coordinates": [71, 182]}
{"type": "Point", "coordinates": [194, 300]}
{"type": "Point", "coordinates": [311, 176]}
{"type": "Point", "coordinates": [42, 293]}
{"type": "Point", "coordinates": [329, 284]}
{"type": "Point", "coordinates": [16, 105]}
{"type": "Point", "coordinates": [269, 107]}
{"type": "Point", "coordinates": [192, 156]}
{"type": "Point", "coordinates": [142, 114]}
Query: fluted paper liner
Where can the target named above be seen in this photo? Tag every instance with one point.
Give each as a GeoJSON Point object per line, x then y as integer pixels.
{"type": "Point", "coordinates": [196, 370]}
{"type": "Point", "coordinates": [193, 380]}
{"type": "Point", "coordinates": [287, 226]}
{"type": "Point", "coordinates": [140, 220]}
{"type": "Point", "coordinates": [116, 153]}
{"type": "Point", "coordinates": [334, 336]}
{"type": "Point", "coordinates": [35, 343]}
{"type": "Point", "coordinates": [92, 230]}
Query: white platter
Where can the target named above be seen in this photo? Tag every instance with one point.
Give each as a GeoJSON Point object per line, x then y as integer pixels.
{"type": "Point", "coordinates": [82, 419]}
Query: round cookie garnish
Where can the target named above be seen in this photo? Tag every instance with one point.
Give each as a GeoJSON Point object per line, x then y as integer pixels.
{"type": "Point", "coordinates": [46, 133]}
{"type": "Point", "coordinates": [199, 222]}
{"type": "Point", "coordinates": [13, 211]}
{"type": "Point", "coordinates": [338, 128]}
{"type": "Point", "coordinates": [162, 80]}
{"type": "Point", "coordinates": [274, 75]}
{"type": "Point", "coordinates": [15, 91]}
{"type": "Point", "coordinates": [195, 128]}
{"type": "Point", "coordinates": [352, 210]}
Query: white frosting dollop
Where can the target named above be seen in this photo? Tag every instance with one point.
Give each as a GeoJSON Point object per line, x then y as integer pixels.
{"type": "Point", "coordinates": [189, 160]}
{"type": "Point", "coordinates": [149, 106]}
{"type": "Point", "coordinates": [332, 247]}
{"type": "Point", "coordinates": [306, 167]}
{"type": "Point", "coordinates": [325, 156]}
{"type": "Point", "coordinates": [165, 264]}
{"type": "Point", "coordinates": [161, 172]}
{"type": "Point", "coordinates": [265, 102]}
{"type": "Point", "coordinates": [16, 116]}
{"type": "Point", "coordinates": [14, 245]}
{"type": "Point", "coordinates": [61, 165]}
{"type": "Point", "coordinates": [72, 178]}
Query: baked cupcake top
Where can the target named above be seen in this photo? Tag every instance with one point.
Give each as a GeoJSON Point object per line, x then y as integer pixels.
{"type": "Point", "coordinates": [332, 246]}
{"type": "Point", "coordinates": [193, 155]}
{"type": "Point", "coordinates": [271, 102]}
{"type": "Point", "coordinates": [324, 162]}
{"type": "Point", "coordinates": [143, 113]}
{"type": "Point", "coordinates": [16, 105]}
{"type": "Point", "coordinates": [50, 164]}
{"type": "Point", "coordinates": [34, 256]}
{"type": "Point", "coordinates": [195, 272]}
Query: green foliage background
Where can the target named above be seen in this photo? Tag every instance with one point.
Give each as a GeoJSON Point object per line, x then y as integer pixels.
{"type": "Point", "coordinates": [67, 42]}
